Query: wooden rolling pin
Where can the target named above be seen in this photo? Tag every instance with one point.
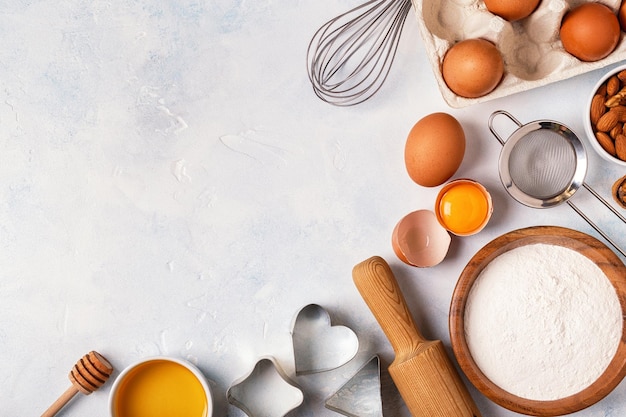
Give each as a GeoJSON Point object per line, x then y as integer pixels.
{"type": "Point", "coordinates": [90, 373]}
{"type": "Point", "coordinates": [422, 371]}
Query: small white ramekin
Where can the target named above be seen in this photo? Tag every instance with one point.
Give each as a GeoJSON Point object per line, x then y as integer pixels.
{"type": "Point", "coordinates": [587, 119]}
{"type": "Point", "coordinates": [143, 362]}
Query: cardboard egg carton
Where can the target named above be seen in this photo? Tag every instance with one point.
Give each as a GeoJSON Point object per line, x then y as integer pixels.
{"type": "Point", "coordinates": [531, 48]}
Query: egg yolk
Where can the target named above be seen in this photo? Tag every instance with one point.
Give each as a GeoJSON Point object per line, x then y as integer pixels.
{"type": "Point", "coordinates": [463, 208]}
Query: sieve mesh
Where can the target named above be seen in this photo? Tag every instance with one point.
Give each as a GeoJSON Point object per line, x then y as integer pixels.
{"type": "Point", "coordinates": [542, 163]}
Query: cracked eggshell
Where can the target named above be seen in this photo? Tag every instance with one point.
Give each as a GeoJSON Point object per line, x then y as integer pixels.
{"type": "Point", "coordinates": [463, 207]}
{"type": "Point", "coordinates": [531, 47]}
{"type": "Point", "coordinates": [419, 240]}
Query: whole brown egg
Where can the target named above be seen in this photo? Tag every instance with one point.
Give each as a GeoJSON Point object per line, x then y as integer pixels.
{"type": "Point", "coordinates": [472, 68]}
{"type": "Point", "coordinates": [590, 31]}
{"type": "Point", "coordinates": [512, 9]}
{"type": "Point", "coordinates": [434, 149]}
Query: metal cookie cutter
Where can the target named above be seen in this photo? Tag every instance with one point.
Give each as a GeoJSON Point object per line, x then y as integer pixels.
{"type": "Point", "coordinates": [361, 395]}
{"type": "Point", "coordinates": [318, 346]}
{"type": "Point", "coordinates": [265, 392]}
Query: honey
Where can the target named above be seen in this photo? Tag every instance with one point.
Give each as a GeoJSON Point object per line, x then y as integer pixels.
{"type": "Point", "coordinates": [160, 388]}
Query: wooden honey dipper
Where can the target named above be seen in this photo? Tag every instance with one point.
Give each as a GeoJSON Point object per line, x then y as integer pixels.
{"type": "Point", "coordinates": [90, 373]}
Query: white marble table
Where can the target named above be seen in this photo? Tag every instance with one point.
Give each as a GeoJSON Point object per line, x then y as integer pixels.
{"type": "Point", "coordinates": [170, 185]}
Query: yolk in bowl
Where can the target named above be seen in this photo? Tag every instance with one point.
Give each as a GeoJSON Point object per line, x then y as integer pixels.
{"type": "Point", "coordinates": [160, 388]}
{"type": "Point", "coordinates": [463, 208]}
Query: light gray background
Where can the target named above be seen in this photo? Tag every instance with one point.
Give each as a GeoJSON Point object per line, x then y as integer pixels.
{"type": "Point", "coordinates": [170, 185]}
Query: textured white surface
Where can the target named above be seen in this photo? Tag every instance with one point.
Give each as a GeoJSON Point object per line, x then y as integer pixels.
{"type": "Point", "coordinates": [170, 185]}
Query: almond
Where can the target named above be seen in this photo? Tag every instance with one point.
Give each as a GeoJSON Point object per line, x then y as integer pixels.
{"type": "Point", "coordinates": [616, 99]}
{"type": "Point", "coordinates": [612, 85]}
{"type": "Point", "coordinates": [607, 121]}
{"type": "Point", "coordinates": [620, 147]}
{"type": "Point", "coordinates": [622, 75]}
{"type": "Point", "coordinates": [617, 130]}
{"type": "Point", "coordinates": [620, 111]}
{"type": "Point", "coordinates": [606, 142]}
{"type": "Point", "coordinates": [597, 108]}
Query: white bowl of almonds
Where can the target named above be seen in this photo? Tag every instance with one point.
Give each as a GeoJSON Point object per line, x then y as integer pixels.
{"type": "Point", "coordinates": [605, 116]}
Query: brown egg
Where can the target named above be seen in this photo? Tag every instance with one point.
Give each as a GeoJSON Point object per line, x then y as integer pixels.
{"type": "Point", "coordinates": [472, 68]}
{"type": "Point", "coordinates": [434, 149]}
{"type": "Point", "coordinates": [590, 31]}
{"type": "Point", "coordinates": [512, 9]}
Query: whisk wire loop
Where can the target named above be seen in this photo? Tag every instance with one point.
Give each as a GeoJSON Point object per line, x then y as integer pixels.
{"type": "Point", "coordinates": [350, 56]}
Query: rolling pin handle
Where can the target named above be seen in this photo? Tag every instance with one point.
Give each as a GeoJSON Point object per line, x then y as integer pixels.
{"type": "Point", "coordinates": [379, 288]}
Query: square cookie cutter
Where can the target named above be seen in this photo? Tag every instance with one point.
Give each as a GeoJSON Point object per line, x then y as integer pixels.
{"type": "Point", "coordinates": [266, 391]}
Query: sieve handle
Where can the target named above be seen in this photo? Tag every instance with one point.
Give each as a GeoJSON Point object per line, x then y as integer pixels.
{"type": "Point", "coordinates": [595, 226]}
{"type": "Point", "coordinates": [606, 203]}
{"type": "Point", "coordinates": [504, 113]}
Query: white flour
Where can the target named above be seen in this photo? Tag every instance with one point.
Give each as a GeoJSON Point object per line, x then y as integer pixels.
{"type": "Point", "coordinates": [542, 322]}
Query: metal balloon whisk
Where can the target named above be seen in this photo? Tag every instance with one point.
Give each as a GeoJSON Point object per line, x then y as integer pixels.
{"type": "Point", "coordinates": [349, 57]}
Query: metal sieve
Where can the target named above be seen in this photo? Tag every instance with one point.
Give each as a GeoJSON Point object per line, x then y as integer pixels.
{"type": "Point", "coordinates": [542, 164]}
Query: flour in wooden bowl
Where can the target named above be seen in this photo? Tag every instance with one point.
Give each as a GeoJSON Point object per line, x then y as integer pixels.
{"type": "Point", "coordinates": [542, 321]}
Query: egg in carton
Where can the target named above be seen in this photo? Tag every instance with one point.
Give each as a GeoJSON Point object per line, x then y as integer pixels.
{"type": "Point", "coordinates": [531, 47]}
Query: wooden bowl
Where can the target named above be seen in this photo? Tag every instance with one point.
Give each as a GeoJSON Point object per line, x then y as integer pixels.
{"type": "Point", "coordinates": [584, 244]}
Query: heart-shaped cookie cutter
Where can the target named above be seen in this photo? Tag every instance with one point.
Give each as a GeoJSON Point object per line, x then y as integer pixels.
{"type": "Point", "coordinates": [318, 346]}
